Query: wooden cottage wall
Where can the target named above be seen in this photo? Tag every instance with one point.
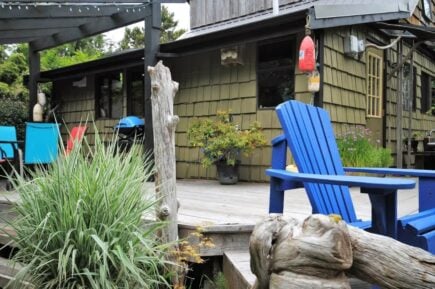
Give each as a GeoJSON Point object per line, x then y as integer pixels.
{"type": "Point", "coordinates": [345, 86]}
{"type": "Point", "coordinates": [344, 78]}
{"type": "Point", "coordinates": [78, 105]}
{"type": "Point", "coordinates": [206, 87]}
{"type": "Point", "coordinates": [204, 12]}
{"type": "Point", "coordinates": [421, 121]}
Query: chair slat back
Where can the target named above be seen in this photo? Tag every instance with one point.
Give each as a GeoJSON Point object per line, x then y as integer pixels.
{"type": "Point", "coordinates": [8, 133]}
{"type": "Point", "coordinates": [41, 143]}
{"type": "Point", "coordinates": [312, 142]}
{"type": "Point", "coordinates": [76, 135]}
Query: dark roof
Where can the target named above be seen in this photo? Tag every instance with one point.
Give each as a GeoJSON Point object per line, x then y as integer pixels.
{"type": "Point", "coordinates": [322, 14]}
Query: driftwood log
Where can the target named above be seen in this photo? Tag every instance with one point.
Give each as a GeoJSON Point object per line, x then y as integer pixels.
{"type": "Point", "coordinates": [163, 91]}
{"type": "Point", "coordinates": [321, 251]}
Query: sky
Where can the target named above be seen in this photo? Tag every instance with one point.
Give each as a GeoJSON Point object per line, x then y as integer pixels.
{"type": "Point", "coordinates": [181, 13]}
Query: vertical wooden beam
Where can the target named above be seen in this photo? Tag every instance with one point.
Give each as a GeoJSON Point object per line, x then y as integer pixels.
{"type": "Point", "coordinates": [153, 21]}
{"type": "Point", "coordinates": [34, 75]}
{"type": "Point", "coordinates": [399, 107]}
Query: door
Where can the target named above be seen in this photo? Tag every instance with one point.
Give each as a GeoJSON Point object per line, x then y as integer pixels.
{"type": "Point", "coordinates": [374, 97]}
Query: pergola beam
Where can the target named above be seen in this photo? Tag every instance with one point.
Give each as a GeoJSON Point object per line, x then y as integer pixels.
{"type": "Point", "coordinates": [98, 26]}
{"type": "Point", "coordinates": [34, 32]}
{"type": "Point", "coordinates": [15, 40]}
{"type": "Point", "coordinates": [25, 24]}
{"type": "Point", "coordinates": [48, 12]}
{"type": "Point", "coordinates": [96, 1]}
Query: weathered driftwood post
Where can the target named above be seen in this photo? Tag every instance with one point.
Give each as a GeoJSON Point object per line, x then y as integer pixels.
{"type": "Point", "coordinates": [163, 91]}
{"type": "Point", "coordinates": [321, 251]}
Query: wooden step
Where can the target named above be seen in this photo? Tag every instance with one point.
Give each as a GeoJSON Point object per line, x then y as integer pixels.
{"type": "Point", "coordinates": [238, 273]}
{"type": "Point", "coordinates": [224, 237]}
{"type": "Point", "coordinates": [237, 270]}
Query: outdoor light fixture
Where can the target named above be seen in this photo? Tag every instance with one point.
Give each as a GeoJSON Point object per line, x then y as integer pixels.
{"type": "Point", "coordinates": [232, 55]}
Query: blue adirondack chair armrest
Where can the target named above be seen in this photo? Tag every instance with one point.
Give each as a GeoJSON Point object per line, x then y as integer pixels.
{"type": "Point", "coordinates": [393, 171]}
{"type": "Point", "coordinates": [278, 140]}
{"type": "Point", "coordinates": [358, 181]}
{"type": "Point", "coordinates": [426, 182]}
{"type": "Point", "coordinates": [279, 152]}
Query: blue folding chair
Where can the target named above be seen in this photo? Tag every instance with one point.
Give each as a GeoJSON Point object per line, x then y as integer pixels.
{"type": "Point", "coordinates": [40, 144]}
{"type": "Point", "coordinates": [309, 135]}
{"type": "Point", "coordinates": [9, 152]}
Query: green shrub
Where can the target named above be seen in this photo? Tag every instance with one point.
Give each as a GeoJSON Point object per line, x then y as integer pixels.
{"type": "Point", "coordinates": [357, 150]}
{"type": "Point", "coordinates": [13, 112]}
{"type": "Point", "coordinates": [222, 140]}
{"type": "Point", "coordinates": [80, 224]}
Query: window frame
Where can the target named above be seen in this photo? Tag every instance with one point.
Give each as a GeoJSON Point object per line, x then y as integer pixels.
{"type": "Point", "coordinates": [380, 77]}
{"type": "Point", "coordinates": [426, 80]}
{"type": "Point", "coordinates": [427, 7]}
{"type": "Point", "coordinates": [99, 77]}
{"type": "Point", "coordinates": [292, 38]}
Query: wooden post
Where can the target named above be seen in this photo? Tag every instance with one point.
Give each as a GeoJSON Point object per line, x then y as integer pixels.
{"type": "Point", "coordinates": [152, 44]}
{"type": "Point", "coordinates": [34, 75]}
{"type": "Point", "coordinates": [322, 250]}
{"type": "Point", "coordinates": [163, 91]}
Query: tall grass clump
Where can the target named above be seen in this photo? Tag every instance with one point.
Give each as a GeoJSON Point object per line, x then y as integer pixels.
{"type": "Point", "coordinates": [79, 223]}
{"type": "Point", "coordinates": [358, 150]}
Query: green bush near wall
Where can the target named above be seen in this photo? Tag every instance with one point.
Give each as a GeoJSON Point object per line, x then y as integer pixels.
{"type": "Point", "coordinates": [358, 150]}
{"type": "Point", "coordinates": [13, 112]}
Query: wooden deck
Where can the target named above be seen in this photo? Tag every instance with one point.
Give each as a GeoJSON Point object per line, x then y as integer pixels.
{"type": "Point", "coordinates": [208, 202]}
{"type": "Point", "coordinates": [228, 214]}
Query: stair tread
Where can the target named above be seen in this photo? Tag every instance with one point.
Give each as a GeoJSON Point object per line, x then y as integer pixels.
{"type": "Point", "coordinates": [240, 261]}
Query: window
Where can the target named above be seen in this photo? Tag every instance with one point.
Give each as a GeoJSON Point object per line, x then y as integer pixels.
{"type": "Point", "coordinates": [407, 101]}
{"type": "Point", "coordinates": [427, 93]}
{"type": "Point", "coordinates": [427, 9]}
{"type": "Point", "coordinates": [109, 95]}
{"type": "Point", "coordinates": [135, 92]}
{"type": "Point", "coordinates": [374, 85]}
{"type": "Point", "coordinates": [275, 72]}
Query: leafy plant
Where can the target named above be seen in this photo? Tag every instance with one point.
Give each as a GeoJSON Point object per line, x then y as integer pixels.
{"type": "Point", "coordinates": [357, 150]}
{"type": "Point", "coordinates": [80, 223]}
{"type": "Point", "coordinates": [222, 140]}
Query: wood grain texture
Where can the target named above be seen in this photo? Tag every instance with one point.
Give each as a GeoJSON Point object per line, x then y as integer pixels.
{"type": "Point", "coordinates": [163, 91]}
{"type": "Point", "coordinates": [319, 252]}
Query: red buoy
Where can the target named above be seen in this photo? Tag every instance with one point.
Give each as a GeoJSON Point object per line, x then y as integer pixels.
{"type": "Point", "coordinates": [307, 58]}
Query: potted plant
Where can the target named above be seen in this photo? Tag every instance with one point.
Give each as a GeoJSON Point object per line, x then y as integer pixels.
{"type": "Point", "coordinates": [222, 142]}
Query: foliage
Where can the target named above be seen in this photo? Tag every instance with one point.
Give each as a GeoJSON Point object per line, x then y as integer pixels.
{"type": "Point", "coordinates": [135, 37]}
{"type": "Point", "coordinates": [73, 53]}
{"type": "Point", "coordinates": [221, 140]}
{"type": "Point", "coordinates": [80, 223]}
{"type": "Point", "coordinates": [357, 150]}
{"type": "Point", "coordinates": [13, 112]}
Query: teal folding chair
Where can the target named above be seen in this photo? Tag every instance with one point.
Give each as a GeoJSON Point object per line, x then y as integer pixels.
{"type": "Point", "coordinates": [9, 153]}
{"type": "Point", "coordinates": [41, 145]}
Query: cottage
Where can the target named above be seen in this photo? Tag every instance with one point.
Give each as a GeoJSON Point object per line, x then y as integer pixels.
{"type": "Point", "coordinates": [376, 62]}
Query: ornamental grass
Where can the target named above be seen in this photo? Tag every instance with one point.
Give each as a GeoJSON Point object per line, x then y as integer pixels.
{"type": "Point", "coordinates": [80, 224]}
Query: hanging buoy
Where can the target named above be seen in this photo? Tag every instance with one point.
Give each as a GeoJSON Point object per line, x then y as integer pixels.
{"type": "Point", "coordinates": [307, 58]}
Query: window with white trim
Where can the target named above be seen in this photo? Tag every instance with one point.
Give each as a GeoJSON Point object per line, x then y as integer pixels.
{"type": "Point", "coordinates": [374, 85]}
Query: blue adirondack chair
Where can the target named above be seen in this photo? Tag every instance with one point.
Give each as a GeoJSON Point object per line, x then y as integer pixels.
{"type": "Point", "coordinates": [309, 135]}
